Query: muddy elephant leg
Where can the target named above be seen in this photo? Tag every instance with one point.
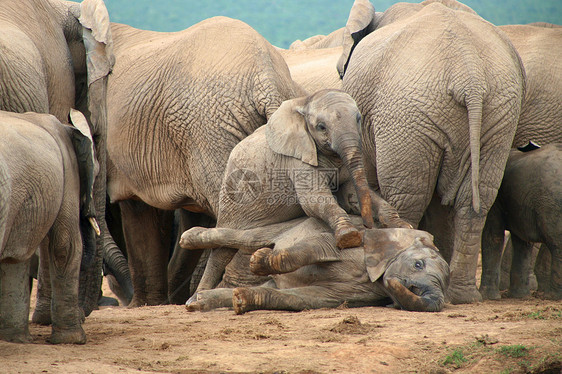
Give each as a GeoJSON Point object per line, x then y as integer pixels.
{"type": "Point", "coordinates": [320, 248]}
{"type": "Point", "coordinates": [493, 237]}
{"type": "Point", "coordinates": [245, 299]}
{"type": "Point", "coordinates": [14, 302]}
{"type": "Point", "coordinates": [148, 237]}
{"type": "Point", "coordinates": [64, 257]}
{"type": "Point", "coordinates": [182, 263]}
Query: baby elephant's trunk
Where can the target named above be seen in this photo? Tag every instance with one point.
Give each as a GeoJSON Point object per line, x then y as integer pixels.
{"type": "Point", "coordinates": [349, 149]}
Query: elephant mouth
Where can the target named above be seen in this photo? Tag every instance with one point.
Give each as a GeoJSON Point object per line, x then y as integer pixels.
{"type": "Point", "coordinates": [415, 290]}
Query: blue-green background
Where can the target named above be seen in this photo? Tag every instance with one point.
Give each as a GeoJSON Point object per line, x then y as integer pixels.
{"type": "Point", "coordinates": [284, 21]}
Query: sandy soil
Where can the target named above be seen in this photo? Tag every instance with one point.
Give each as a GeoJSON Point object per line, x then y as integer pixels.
{"type": "Point", "coordinates": [490, 337]}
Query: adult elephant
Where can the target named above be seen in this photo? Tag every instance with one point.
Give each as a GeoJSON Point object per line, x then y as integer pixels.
{"type": "Point", "coordinates": [55, 56]}
{"type": "Point", "coordinates": [45, 201]}
{"type": "Point", "coordinates": [540, 48]}
{"type": "Point", "coordinates": [436, 118]}
{"type": "Point", "coordinates": [178, 103]}
{"type": "Point", "coordinates": [314, 69]}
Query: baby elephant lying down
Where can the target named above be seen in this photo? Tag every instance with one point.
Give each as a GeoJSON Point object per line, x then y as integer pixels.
{"type": "Point", "coordinates": [308, 271]}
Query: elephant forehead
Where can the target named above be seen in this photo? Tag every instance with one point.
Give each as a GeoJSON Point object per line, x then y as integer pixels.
{"type": "Point", "coordinates": [331, 99]}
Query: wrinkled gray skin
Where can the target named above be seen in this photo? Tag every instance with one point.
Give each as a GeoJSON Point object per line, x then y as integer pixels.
{"type": "Point", "coordinates": [529, 205]}
{"type": "Point", "coordinates": [540, 48]}
{"type": "Point", "coordinates": [43, 180]}
{"type": "Point", "coordinates": [178, 103]}
{"type": "Point", "coordinates": [289, 168]}
{"type": "Point", "coordinates": [505, 267]}
{"type": "Point", "coordinates": [44, 69]}
{"type": "Point", "coordinates": [309, 271]}
{"type": "Point", "coordinates": [437, 119]}
{"type": "Point", "coordinates": [314, 69]}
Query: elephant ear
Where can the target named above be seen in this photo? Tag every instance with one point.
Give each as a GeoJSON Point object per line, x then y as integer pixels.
{"type": "Point", "coordinates": [359, 23]}
{"type": "Point", "coordinates": [96, 34]}
{"type": "Point", "coordinates": [286, 132]}
{"type": "Point", "coordinates": [88, 167]}
{"type": "Point", "coordinates": [382, 245]}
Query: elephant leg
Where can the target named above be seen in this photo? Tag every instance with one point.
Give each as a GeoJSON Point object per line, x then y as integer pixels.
{"type": "Point", "coordinates": [148, 238]}
{"type": "Point", "coordinates": [438, 220]}
{"type": "Point", "coordinates": [543, 267]}
{"type": "Point", "coordinates": [246, 241]}
{"type": "Point", "coordinates": [493, 237]}
{"type": "Point", "coordinates": [555, 289]}
{"type": "Point", "coordinates": [42, 312]}
{"type": "Point", "coordinates": [211, 299]}
{"type": "Point", "coordinates": [218, 259]}
{"type": "Point", "coordinates": [182, 263]}
{"type": "Point", "coordinates": [520, 267]}
{"type": "Point", "coordinates": [14, 302]}
{"type": "Point", "coordinates": [320, 248]}
{"type": "Point", "coordinates": [464, 261]}
{"type": "Point", "coordinates": [64, 258]}
{"type": "Point", "coordinates": [245, 299]}
{"type": "Point", "coordinates": [323, 205]}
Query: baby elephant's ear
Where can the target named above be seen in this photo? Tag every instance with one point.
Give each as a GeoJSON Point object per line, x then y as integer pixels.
{"type": "Point", "coordinates": [286, 132]}
{"type": "Point", "coordinates": [382, 245]}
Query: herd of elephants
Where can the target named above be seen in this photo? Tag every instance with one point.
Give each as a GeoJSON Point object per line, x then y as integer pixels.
{"type": "Point", "coordinates": [370, 166]}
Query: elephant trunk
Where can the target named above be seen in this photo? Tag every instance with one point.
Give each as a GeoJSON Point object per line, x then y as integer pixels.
{"type": "Point", "coordinates": [349, 149]}
{"type": "Point", "coordinates": [427, 302]}
{"type": "Point", "coordinates": [117, 265]}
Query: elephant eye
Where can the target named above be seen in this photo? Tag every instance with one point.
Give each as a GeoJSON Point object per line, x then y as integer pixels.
{"type": "Point", "coordinates": [419, 264]}
{"type": "Point", "coordinates": [321, 126]}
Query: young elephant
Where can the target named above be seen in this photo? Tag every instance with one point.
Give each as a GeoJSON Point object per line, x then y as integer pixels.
{"type": "Point", "coordinates": [290, 167]}
{"type": "Point", "coordinates": [46, 171]}
{"type": "Point", "coordinates": [309, 271]}
{"type": "Point", "coordinates": [529, 205]}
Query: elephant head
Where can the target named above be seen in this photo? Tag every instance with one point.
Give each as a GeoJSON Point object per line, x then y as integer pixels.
{"type": "Point", "coordinates": [413, 272]}
{"type": "Point", "coordinates": [327, 123]}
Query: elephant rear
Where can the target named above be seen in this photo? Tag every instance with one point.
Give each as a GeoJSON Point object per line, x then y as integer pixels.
{"type": "Point", "coordinates": [35, 189]}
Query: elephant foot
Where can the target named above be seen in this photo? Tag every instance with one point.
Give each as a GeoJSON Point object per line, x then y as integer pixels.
{"type": "Point", "coordinates": [197, 303]}
{"type": "Point", "coordinates": [42, 316]}
{"type": "Point", "coordinates": [392, 220]}
{"type": "Point", "coordinates": [518, 293]}
{"type": "Point", "coordinates": [553, 295]}
{"type": "Point", "coordinates": [260, 261]}
{"type": "Point", "coordinates": [137, 302]}
{"type": "Point", "coordinates": [15, 335]}
{"type": "Point", "coordinates": [348, 237]}
{"type": "Point", "coordinates": [207, 300]}
{"type": "Point", "coordinates": [68, 336]}
{"type": "Point", "coordinates": [490, 293]}
{"type": "Point", "coordinates": [463, 295]}
{"type": "Point", "coordinates": [243, 300]}
{"type": "Point", "coordinates": [108, 301]}
{"type": "Point", "coordinates": [192, 238]}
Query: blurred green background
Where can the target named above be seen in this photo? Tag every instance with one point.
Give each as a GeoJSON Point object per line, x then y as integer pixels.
{"type": "Point", "coordinates": [284, 21]}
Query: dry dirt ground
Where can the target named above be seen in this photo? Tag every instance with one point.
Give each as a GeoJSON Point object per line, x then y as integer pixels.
{"type": "Point", "coordinates": [506, 336]}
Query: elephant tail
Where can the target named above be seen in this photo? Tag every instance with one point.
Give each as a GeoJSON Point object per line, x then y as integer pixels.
{"type": "Point", "coordinates": [474, 106]}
